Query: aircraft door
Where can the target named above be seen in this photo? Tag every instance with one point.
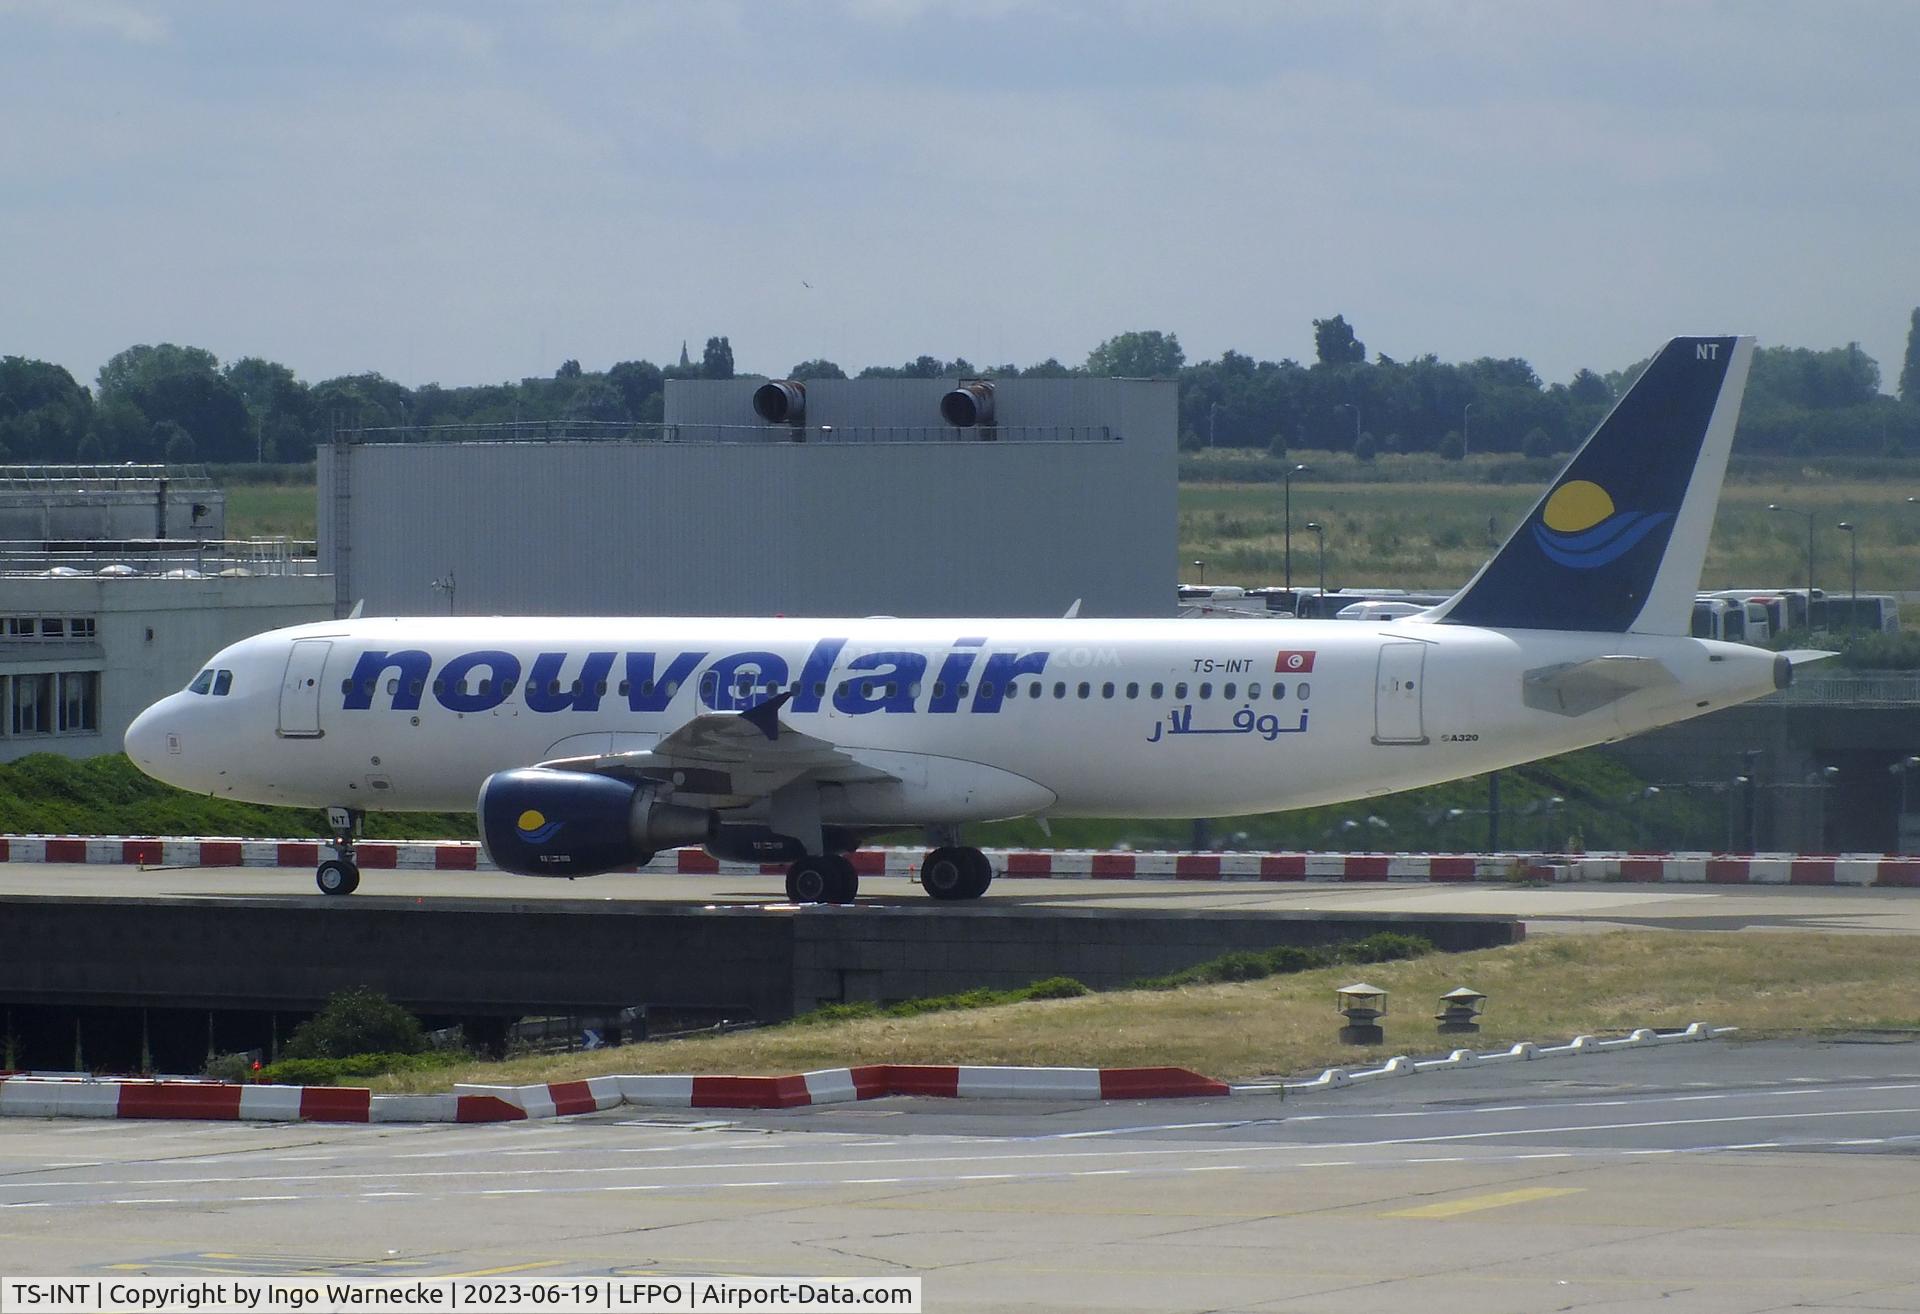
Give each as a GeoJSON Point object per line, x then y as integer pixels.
{"type": "Point", "coordinates": [1397, 693]}
{"type": "Point", "coordinates": [300, 690]}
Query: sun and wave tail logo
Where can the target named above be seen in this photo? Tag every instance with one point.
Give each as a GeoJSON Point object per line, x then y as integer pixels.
{"type": "Point", "coordinates": [534, 828]}
{"type": "Point", "coordinates": [1581, 529]}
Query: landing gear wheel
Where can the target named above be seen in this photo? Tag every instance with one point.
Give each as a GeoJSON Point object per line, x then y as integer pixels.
{"type": "Point", "coordinates": [814, 880]}
{"type": "Point", "coordinates": [845, 887]}
{"type": "Point", "coordinates": [337, 877]}
{"type": "Point", "coordinates": [956, 872]}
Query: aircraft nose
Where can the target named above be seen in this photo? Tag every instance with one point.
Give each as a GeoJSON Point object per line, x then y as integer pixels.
{"type": "Point", "coordinates": [146, 739]}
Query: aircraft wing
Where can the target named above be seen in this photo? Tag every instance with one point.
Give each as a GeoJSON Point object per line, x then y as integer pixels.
{"type": "Point", "coordinates": [732, 755]}
{"type": "Point", "coordinates": [1576, 688]}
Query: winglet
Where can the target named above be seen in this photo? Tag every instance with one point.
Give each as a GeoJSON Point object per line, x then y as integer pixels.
{"type": "Point", "coordinates": [1073, 611]}
{"type": "Point", "coordinates": [765, 717]}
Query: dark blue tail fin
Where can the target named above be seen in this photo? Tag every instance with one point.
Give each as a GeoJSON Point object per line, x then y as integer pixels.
{"type": "Point", "coordinates": [1617, 543]}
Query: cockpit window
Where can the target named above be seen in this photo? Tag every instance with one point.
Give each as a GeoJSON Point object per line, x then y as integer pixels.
{"type": "Point", "coordinates": [222, 683]}
{"type": "Point", "coordinates": [202, 682]}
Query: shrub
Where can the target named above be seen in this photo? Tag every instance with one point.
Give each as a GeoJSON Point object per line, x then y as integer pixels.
{"type": "Point", "coordinates": [357, 1021]}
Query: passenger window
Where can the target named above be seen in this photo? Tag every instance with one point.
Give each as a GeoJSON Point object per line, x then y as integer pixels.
{"type": "Point", "coordinates": [1158, 691]}
{"type": "Point", "coordinates": [670, 688]}
{"type": "Point", "coordinates": [439, 687]}
{"type": "Point", "coordinates": [1013, 689]}
{"type": "Point", "coordinates": [413, 687]}
{"type": "Point", "coordinates": [1133, 688]}
{"type": "Point", "coordinates": [222, 683]}
{"type": "Point", "coordinates": [206, 678]}
{"type": "Point", "coordinates": [819, 688]}
{"type": "Point", "coordinates": [1084, 689]}
{"type": "Point", "coordinates": [599, 688]}
{"type": "Point", "coordinates": [1279, 690]}
{"type": "Point", "coordinates": [1180, 690]}
{"type": "Point", "coordinates": [1059, 688]}
{"type": "Point", "coordinates": [1035, 689]}
{"type": "Point", "coordinates": [393, 685]}
{"type": "Point", "coordinates": [986, 690]}
{"type": "Point", "coordinates": [486, 687]}
{"type": "Point", "coordinates": [1253, 692]}
{"type": "Point", "coordinates": [963, 688]}
{"type": "Point", "coordinates": [1106, 690]}
{"type": "Point", "coordinates": [1302, 689]}
{"type": "Point", "coordinates": [1227, 693]}
{"type": "Point", "coordinates": [626, 686]}
{"type": "Point", "coordinates": [1206, 690]}
{"type": "Point", "coordinates": [939, 688]}
{"type": "Point", "coordinates": [710, 686]}
{"type": "Point", "coordinates": [506, 688]}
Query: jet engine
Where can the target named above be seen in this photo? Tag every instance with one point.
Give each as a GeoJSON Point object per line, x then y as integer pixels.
{"type": "Point", "coordinates": [536, 821]}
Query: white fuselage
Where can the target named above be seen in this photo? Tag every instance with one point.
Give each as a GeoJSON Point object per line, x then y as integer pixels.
{"type": "Point", "coordinates": [1160, 718]}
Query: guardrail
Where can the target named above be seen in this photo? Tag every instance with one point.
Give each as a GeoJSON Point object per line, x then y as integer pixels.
{"type": "Point", "coordinates": [555, 431]}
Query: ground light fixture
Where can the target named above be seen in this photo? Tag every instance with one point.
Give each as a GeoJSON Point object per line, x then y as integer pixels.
{"type": "Point", "coordinates": [1460, 1010]}
{"type": "Point", "coordinates": [1363, 1006]}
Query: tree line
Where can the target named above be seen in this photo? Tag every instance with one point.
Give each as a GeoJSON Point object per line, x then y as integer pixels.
{"type": "Point", "coordinates": [174, 403]}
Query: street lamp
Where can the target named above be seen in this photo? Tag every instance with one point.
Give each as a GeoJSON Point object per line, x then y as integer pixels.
{"type": "Point", "coordinates": [1297, 470]}
{"type": "Point", "coordinates": [1320, 532]}
{"type": "Point", "coordinates": [1853, 564]}
{"type": "Point", "coordinates": [1201, 566]}
{"type": "Point", "coordinates": [1349, 406]}
{"type": "Point", "coordinates": [1466, 422]}
{"type": "Point", "coordinates": [1775, 506]}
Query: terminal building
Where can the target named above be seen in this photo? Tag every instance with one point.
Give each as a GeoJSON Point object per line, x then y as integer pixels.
{"type": "Point", "coordinates": [906, 497]}
{"type": "Point", "coordinates": [116, 585]}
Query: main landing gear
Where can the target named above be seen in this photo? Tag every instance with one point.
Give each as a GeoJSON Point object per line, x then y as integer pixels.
{"type": "Point", "coordinates": [955, 871]}
{"type": "Point", "coordinates": [829, 878]}
{"type": "Point", "coordinates": [340, 874]}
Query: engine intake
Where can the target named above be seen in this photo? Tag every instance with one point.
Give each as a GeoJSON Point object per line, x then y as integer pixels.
{"type": "Point", "coordinates": [536, 821]}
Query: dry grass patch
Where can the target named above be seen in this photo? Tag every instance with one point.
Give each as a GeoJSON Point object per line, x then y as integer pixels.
{"type": "Point", "coordinates": [1544, 990]}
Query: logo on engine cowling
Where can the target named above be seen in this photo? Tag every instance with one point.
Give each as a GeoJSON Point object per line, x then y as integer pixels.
{"type": "Point", "coordinates": [534, 827]}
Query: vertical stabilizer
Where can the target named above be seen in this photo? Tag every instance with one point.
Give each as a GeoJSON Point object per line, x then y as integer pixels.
{"type": "Point", "coordinates": [1617, 543]}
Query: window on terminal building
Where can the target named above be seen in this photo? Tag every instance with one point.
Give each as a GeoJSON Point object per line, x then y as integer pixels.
{"type": "Point", "coordinates": [80, 700]}
{"type": "Point", "coordinates": [32, 704]}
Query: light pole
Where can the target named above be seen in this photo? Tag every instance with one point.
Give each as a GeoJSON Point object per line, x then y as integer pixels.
{"type": "Point", "coordinates": [1349, 406]}
{"type": "Point", "coordinates": [1320, 532]}
{"type": "Point", "coordinates": [1201, 566]}
{"type": "Point", "coordinates": [1288, 521]}
{"type": "Point", "coordinates": [1775, 506]}
{"type": "Point", "coordinates": [1213, 416]}
{"type": "Point", "coordinates": [1853, 575]}
{"type": "Point", "coordinates": [1466, 422]}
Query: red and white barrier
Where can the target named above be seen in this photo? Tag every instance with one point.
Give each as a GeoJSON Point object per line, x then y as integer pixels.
{"type": "Point", "coordinates": [1874, 870]}
{"type": "Point", "coordinates": [80, 1097]}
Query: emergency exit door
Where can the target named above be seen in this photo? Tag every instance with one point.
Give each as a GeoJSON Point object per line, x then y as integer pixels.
{"type": "Point", "coordinates": [1397, 692]}
{"type": "Point", "coordinates": [300, 691]}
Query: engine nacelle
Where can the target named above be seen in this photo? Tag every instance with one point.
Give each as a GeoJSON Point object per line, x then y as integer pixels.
{"type": "Point", "coordinates": [536, 821]}
{"type": "Point", "coordinates": [782, 401]}
{"type": "Point", "coordinates": [970, 405]}
{"type": "Point", "coordinates": [738, 842]}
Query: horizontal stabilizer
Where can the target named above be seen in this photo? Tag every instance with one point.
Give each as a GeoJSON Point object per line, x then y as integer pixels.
{"type": "Point", "coordinates": [1576, 688]}
{"type": "Point", "coordinates": [1807, 656]}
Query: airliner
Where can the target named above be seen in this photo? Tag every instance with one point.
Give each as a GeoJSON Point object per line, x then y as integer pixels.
{"type": "Point", "coordinates": [588, 744]}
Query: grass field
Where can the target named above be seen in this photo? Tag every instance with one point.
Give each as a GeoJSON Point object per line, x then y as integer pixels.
{"type": "Point", "coordinates": [265, 510]}
{"type": "Point", "coordinates": [1545, 989]}
{"type": "Point", "coordinates": [1434, 535]}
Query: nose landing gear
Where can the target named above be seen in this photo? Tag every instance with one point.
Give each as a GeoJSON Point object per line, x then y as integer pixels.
{"type": "Point", "coordinates": [340, 874]}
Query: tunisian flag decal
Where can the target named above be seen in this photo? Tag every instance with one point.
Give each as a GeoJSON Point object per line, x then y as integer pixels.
{"type": "Point", "coordinates": [1293, 663]}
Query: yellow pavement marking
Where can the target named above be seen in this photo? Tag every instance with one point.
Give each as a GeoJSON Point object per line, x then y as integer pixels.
{"type": "Point", "coordinates": [1474, 1203]}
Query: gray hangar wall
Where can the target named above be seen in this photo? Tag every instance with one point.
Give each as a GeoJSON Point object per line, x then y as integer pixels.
{"type": "Point", "coordinates": [871, 506]}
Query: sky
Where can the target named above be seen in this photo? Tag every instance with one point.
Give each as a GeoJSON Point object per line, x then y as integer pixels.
{"type": "Point", "coordinates": [475, 192]}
